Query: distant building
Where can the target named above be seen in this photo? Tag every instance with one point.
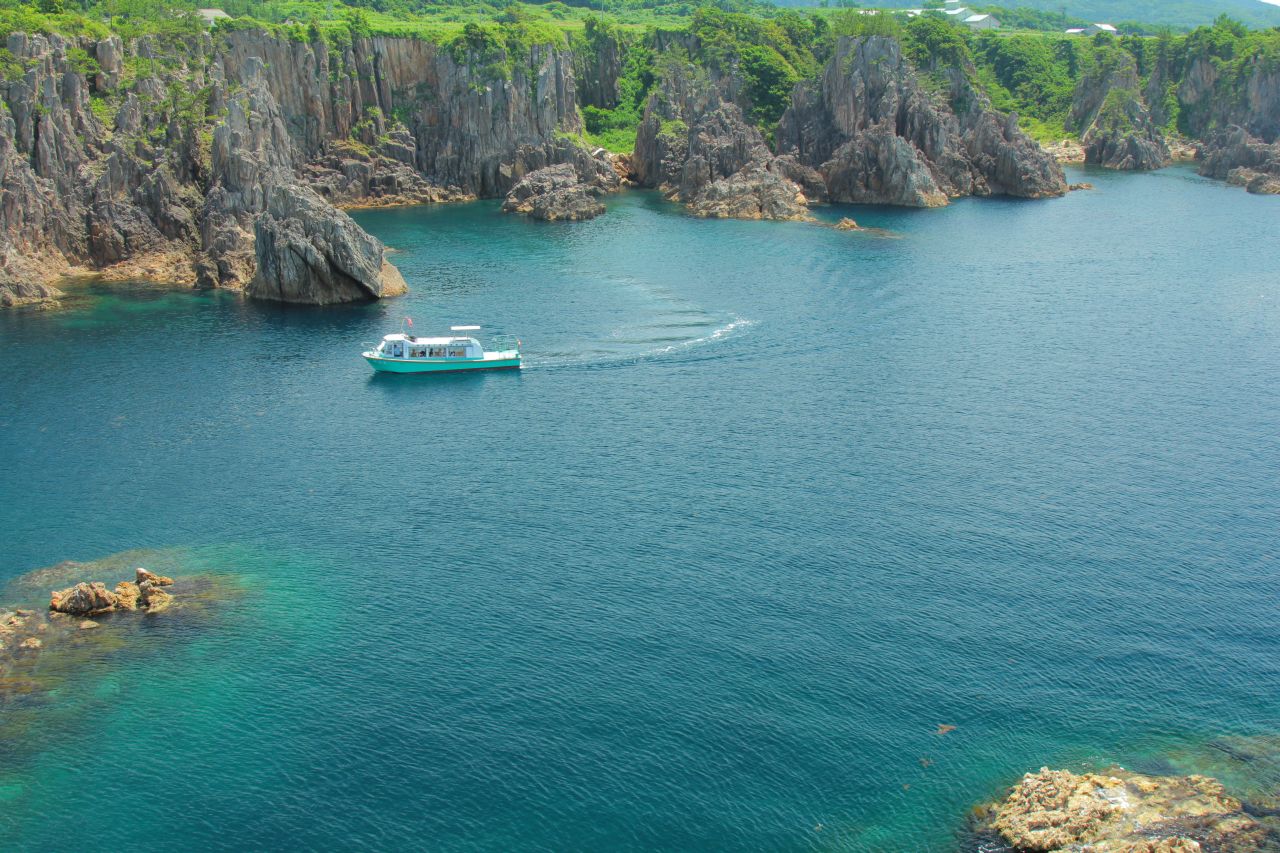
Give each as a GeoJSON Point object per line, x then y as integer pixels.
{"type": "Point", "coordinates": [1094, 29]}
{"type": "Point", "coordinates": [212, 16]}
{"type": "Point", "coordinates": [959, 10]}
{"type": "Point", "coordinates": [982, 22]}
{"type": "Point", "coordinates": [1075, 31]}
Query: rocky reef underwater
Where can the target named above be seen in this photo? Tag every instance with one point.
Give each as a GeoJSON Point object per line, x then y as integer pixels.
{"type": "Point", "coordinates": [63, 626]}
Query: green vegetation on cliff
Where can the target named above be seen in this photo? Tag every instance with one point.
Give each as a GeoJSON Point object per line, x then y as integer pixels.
{"type": "Point", "coordinates": [765, 49]}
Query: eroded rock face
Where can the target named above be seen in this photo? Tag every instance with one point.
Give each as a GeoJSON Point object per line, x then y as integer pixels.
{"type": "Point", "coordinates": [753, 192]}
{"type": "Point", "coordinates": [695, 145]}
{"type": "Point", "coordinates": [1056, 810]}
{"type": "Point", "coordinates": [1239, 158]}
{"type": "Point", "coordinates": [149, 194]}
{"type": "Point", "coordinates": [1113, 122]}
{"type": "Point", "coordinates": [309, 251]}
{"type": "Point", "coordinates": [144, 576]}
{"type": "Point", "coordinates": [554, 193]}
{"type": "Point", "coordinates": [876, 135]}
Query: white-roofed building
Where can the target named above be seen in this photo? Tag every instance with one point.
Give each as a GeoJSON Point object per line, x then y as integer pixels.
{"type": "Point", "coordinates": [1094, 29]}
{"type": "Point", "coordinates": [982, 22]}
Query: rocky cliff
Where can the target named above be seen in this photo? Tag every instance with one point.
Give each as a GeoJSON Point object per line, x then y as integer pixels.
{"type": "Point", "coordinates": [1112, 119]}
{"type": "Point", "coordinates": [695, 145]}
{"type": "Point", "coordinates": [878, 130]}
{"type": "Point", "coordinates": [163, 159]}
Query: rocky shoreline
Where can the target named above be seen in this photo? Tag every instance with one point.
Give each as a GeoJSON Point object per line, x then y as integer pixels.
{"type": "Point", "coordinates": [226, 159]}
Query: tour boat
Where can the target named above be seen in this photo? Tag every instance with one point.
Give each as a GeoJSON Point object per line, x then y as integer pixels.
{"type": "Point", "coordinates": [405, 353]}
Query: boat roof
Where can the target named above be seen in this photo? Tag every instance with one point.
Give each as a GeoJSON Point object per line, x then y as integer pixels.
{"type": "Point", "coordinates": [464, 328]}
{"type": "Point", "coordinates": [421, 340]}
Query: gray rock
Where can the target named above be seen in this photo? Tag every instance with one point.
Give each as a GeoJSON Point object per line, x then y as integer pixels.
{"type": "Point", "coordinates": [308, 251]}
{"type": "Point", "coordinates": [1112, 121]}
{"type": "Point", "coordinates": [553, 193]}
{"type": "Point", "coordinates": [1236, 156]}
{"type": "Point", "coordinates": [753, 192]}
{"type": "Point", "coordinates": [875, 134]}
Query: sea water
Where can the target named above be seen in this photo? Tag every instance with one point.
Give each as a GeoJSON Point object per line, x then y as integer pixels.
{"type": "Point", "coordinates": [769, 504]}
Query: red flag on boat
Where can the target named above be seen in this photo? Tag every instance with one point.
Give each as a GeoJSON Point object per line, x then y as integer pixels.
{"type": "Point", "coordinates": [409, 320]}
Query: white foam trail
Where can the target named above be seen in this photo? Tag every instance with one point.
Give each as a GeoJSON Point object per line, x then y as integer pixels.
{"type": "Point", "coordinates": [584, 359]}
{"type": "Point", "coordinates": [722, 332]}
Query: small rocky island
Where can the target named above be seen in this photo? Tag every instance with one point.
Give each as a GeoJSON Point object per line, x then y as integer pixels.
{"type": "Point", "coordinates": [1119, 811]}
{"type": "Point", "coordinates": [84, 618]}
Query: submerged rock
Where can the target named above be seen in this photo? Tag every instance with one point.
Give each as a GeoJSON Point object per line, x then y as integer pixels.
{"type": "Point", "coordinates": [847, 224]}
{"type": "Point", "coordinates": [1056, 810]}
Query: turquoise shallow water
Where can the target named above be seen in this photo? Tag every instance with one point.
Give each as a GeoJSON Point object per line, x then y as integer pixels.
{"type": "Point", "coordinates": [769, 504]}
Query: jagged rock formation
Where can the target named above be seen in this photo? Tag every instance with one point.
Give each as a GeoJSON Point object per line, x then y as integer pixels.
{"type": "Point", "coordinates": [308, 251]}
{"type": "Point", "coordinates": [553, 193]}
{"type": "Point", "coordinates": [1056, 810]}
{"type": "Point", "coordinates": [695, 145]}
{"type": "Point", "coordinates": [1235, 156]}
{"type": "Point", "coordinates": [875, 134]}
{"type": "Point", "coordinates": [1239, 129]}
{"type": "Point", "coordinates": [753, 192]}
{"type": "Point", "coordinates": [93, 598]}
{"type": "Point", "coordinates": [1114, 124]}
{"type": "Point", "coordinates": [174, 184]}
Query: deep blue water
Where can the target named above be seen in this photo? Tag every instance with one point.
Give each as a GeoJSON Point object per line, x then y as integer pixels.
{"type": "Point", "coordinates": [769, 503]}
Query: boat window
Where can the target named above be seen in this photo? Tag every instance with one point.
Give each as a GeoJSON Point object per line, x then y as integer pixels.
{"type": "Point", "coordinates": [458, 353]}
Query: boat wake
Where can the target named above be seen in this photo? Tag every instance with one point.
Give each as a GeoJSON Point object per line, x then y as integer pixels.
{"type": "Point", "coordinates": [639, 344]}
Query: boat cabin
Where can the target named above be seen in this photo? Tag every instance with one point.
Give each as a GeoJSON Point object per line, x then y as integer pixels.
{"type": "Point", "coordinates": [409, 346]}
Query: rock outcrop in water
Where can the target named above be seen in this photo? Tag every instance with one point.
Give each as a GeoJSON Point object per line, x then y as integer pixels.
{"type": "Point", "coordinates": [566, 191]}
{"type": "Point", "coordinates": [875, 134]}
{"type": "Point", "coordinates": [1235, 156]}
{"type": "Point", "coordinates": [1056, 810]}
{"type": "Point", "coordinates": [92, 598]}
{"type": "Point", "coordinates": [553, 193]}
{"type": "Point", "coordinates": [310, 252]}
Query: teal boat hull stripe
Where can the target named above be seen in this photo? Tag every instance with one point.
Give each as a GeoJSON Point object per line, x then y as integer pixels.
{"type": "Point", "coordinates": [396, 365]}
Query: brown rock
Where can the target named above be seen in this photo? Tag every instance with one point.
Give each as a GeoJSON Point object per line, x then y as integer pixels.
{"type": "Point", "coordinates": [83, 599]}
{"type": "Point", "coordinates": [1123, 812]}
{"type": "Point", "coordinates": [30, 643]}
{"type": "Point", "coordinates": [88, 624]}
{"type": "Point", "coordinates": [153, 598]}
{"type": "Point", "coordinates": [158, 580]}
{"type": "Point", "coordinates": [127, 594]}
{"type": "Point", "coordinates": [847, 224]}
